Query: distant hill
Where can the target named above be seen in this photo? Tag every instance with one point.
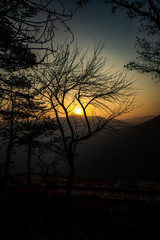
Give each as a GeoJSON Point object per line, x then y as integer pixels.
{"type": "Point", "coordinates": [133, 153]}
{"type": "Point", "coordinates": [146, 136]}
{"type": "Point", "coordinates": [137, 120]}
{"type": "Point", "coordinates": [151, 125]}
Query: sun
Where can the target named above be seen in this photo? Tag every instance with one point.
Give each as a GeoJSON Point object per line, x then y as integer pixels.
{"type": "Point", "coordinates": [78, 110]}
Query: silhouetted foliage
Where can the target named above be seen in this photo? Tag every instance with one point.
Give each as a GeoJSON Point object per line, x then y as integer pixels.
{"type": "Point", "coordinates": [72, 80]}
{"type": "Point", "coordinates": [27, 31]}
{"type": "Point", "coordinates": [35, 132]}
{"type": "Point", "coordinates": [148, 15]}
{"type": "Point", "coordinates": [81, 3]}
{"type": "Point", "coordinates": [13, 110]}
{"type": "Point", "coordinates": [14, 53]}
{"type": "Point", "coordinates": [26, 26]}
{"type": "Point", "coordinates": [148, 60]}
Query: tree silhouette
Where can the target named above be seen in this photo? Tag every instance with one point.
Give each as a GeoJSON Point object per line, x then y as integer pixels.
{"type": "Point", "coordinates": [148, 15]}
{"type": "Point", "coordinates": [25, 120]}
{"type": "Point", "coordinates": [12, 111]}
{"type": "Point", "coordinates": [32, 124]}
{"type": "Point", "coordinates": [71, 80]}
{"type": "Point", "coordinates": [14, 53]}
{"type": "Point", "coordinates": [28, 26]}
{"type": "Point", "coordinates": [32, 132]}
{"type": "Point", "coordinates": [27, 32]}
{"type": "Point", "coordinates": [148, 60]}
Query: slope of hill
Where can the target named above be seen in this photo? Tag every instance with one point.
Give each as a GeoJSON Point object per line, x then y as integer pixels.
{"type": "Point", "coordinates": [152, 125]}
{"type": "Point", "coordinates": [133, 154]}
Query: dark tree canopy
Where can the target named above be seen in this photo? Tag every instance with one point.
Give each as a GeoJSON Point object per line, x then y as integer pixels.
{"type": "Point", "coordinates": [148, 60]}
{"type": "Point", "coordinates": [13, 53]}
{"type": "Point", "coordinates": [27, 29]}
{"type": "Point", "coordinates": [28, 26]}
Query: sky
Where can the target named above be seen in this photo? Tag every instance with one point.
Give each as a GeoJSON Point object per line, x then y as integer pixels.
{"type": "Point", "coordinates": [94, 23]}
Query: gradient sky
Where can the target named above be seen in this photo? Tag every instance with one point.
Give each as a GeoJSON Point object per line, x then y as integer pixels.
{"type": "Point", "coordinates": [94, 22]}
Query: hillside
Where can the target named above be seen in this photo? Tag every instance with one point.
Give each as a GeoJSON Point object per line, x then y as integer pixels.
{"type": "Point", "coordinates": [144, 139]}
{"type": "Point", "coordinates": [131, 153]}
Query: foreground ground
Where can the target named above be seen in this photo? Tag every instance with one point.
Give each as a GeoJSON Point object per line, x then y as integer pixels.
{"type": "Point", "coordinates": [96, 211]}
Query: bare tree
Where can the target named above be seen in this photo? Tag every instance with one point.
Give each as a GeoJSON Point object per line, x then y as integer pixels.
{"type": "Point", "coordinates": [73, 81]}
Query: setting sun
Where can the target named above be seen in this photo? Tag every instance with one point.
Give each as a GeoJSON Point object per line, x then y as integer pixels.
{"type": "Point", "coordinates": [78, 111]}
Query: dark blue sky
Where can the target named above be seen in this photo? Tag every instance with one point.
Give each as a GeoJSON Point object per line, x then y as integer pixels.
{"type": "Point", "coordinates": [96, 21]}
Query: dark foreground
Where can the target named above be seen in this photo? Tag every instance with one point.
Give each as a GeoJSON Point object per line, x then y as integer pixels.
{"type": "Point", "coordinates": [43, 213]}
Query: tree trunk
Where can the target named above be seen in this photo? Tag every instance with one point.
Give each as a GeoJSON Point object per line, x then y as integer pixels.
{"type": "Point", "coordinates": [70, 177]}
{"type": "Point", "coordinates": [9, 148]}
{"type": "Point", "coordinates": [29, 162]}
{"type": "Point", "coordinates": [8, 160]}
